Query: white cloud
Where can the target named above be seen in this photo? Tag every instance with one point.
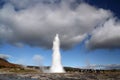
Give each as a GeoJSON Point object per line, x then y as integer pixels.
{"type": "Point", "coordinates": [106, 36]}
{"type": "Point", "coordinates": [36, 25]}
{"type": "Point", "coordinates": [4, 56]}
{"type": "Point", "coordinates": [38, 59]}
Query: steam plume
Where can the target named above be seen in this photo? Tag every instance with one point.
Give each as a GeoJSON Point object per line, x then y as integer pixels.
{"type": "Point", "coordinates": [56, 62]}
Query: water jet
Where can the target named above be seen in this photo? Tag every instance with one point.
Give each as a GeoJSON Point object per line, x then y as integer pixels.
{"type": "Point", "coordinates": [56, 57]}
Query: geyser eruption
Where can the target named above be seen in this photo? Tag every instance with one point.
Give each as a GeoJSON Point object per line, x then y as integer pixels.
{"type": "Point", "coordinates": [56, 57]}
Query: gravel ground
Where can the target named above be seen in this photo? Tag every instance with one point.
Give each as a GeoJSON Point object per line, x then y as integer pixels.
{"type": "Point", "coordinates": [66, 76]}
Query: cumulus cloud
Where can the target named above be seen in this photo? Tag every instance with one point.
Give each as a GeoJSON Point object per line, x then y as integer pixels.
{"type": "Point", "coordinates": [36, 22]}
{"type": "Point", "coordinates": [4, 56]}
{"type": "Point", "coordinates": [38, 59]}
{"type": "Point", "coordinates": [105, 36]}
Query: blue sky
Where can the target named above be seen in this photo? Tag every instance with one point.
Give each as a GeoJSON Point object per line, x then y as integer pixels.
{"type": "Point", "coordinates": [23, 38]}
{"type": "Point", "coordinates": [75, 57]}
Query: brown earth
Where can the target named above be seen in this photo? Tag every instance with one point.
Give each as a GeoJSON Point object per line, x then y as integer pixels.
{"type": "Point", "coordinates": [10, 71]}
{"type": "Point", "coordinates": [5, 64]}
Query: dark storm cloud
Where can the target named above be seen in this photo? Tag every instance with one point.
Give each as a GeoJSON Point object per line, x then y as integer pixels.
{"type": "Point", "coordinates": [35, 23]}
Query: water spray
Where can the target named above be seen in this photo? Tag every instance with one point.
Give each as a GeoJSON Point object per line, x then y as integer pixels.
{"type": "Point", "coordinates": [56, 57]}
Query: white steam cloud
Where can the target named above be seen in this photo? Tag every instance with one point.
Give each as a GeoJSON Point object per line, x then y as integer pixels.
{"type": "Point", "coordinates": [35, 22]}
{"type": "Point", "coordinates": [56, 57]}
{"type": "Point", "coordinates": [100, 66]}
{"type": "Point", "coordinates": [38, 59]}
{"type": "Point", "coordinates": [4, 56]}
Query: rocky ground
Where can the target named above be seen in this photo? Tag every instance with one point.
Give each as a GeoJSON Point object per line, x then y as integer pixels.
{"type": "Point", "coordinates": [71, 74]}
{"type": "Point", "coordinates": [10, 71]}
{"type": "Point", "coordinates": [65, 76]}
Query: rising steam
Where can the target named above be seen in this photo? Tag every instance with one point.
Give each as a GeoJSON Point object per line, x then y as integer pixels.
{"type": "Point", "coordinates": [56, 57]}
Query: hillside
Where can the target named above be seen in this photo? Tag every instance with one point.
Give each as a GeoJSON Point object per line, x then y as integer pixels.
{"type": "Point", "coordinates": [5, 64]}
